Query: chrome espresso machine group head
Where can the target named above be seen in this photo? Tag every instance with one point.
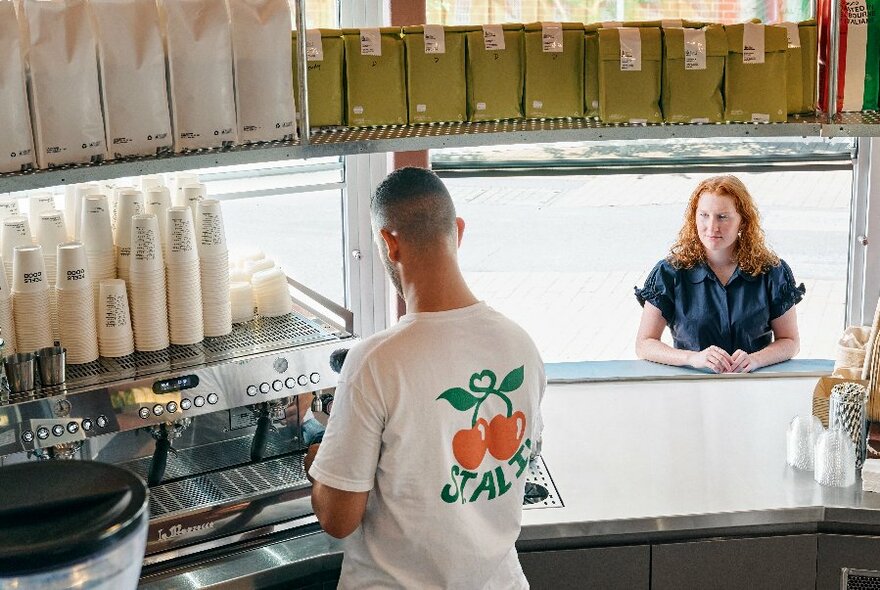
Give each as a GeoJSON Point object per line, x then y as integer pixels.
{"type": "Point", "coordinates": [216, 429]}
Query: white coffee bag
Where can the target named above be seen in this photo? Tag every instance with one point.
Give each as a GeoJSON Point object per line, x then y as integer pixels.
{"type": "Point", "coordinates": [66, 103]}
{"type": "Point", "coordinates": [199, 44]}
{"type": "Point", "coordinates": [16, 141]}
{"type": "Point", "coordinates": [262, 59]}
{"type": "Point", "coordinates": [133, 84]}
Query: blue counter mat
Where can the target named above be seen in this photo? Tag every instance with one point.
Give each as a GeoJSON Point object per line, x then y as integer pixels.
{"type": "Point", "coordinates": [638, 369]}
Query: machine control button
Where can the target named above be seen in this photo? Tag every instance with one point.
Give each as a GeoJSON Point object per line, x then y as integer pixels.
{"type": "Point", "coordinates": [212, 398]}
{"type": "Point", "coordinates": [186, 403]}
{"type": "Point", "coordinates": [171, 407]}
{"type": "Point", "coordinates": [144, 413]}
{"type": "Point", "coordinates": [72, 427]}
{"type": "Point", "coordinates": [199, 401]}
{"type": "Point", "coordinates": [280, 364]}
{"type": "Point", "coordinates": [290, 383]}
{"type": "Point", "coordinates": [277, 385]}
{"type": "Point", "coordinates": [158, 409]}
{"type": "Point", "coordinates": [87, 424]}
{"type": "Point", "coordinates": [314, 377]}
{"type": "Point", "coordinates": [251, 390]}
{"type": "Point", "coordinates": [302, 380]}
{"type": "Point", "coordinates": [264, 387]}
{"type": "Point", "coordinates": [58, 430]}
{"type": "Point", "coordinates": [27, 436]}
{"type": "Point", "coordinates": [101, 421]}
{"type": "Point", "coordinates": [42, 433]}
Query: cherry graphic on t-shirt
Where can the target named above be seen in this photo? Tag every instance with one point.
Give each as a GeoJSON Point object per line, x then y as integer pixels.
{"type": "Point", "coordinates": [506, 434]}
{"type": "Point", "coordinates": [469, 446]}
{"type": "Point", "coordinates": [503, 435]}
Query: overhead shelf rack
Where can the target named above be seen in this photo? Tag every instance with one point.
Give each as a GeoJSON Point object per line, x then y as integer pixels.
{"type": "Point", "coordinates": [351, 141]}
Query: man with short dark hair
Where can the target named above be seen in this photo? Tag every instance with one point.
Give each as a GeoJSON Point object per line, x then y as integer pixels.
{"type": "Point", "coordinates": [422, 467]}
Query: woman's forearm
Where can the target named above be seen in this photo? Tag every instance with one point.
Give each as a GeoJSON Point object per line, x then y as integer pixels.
{"type": "Point", "coordinates": [776, 352]}
{"type": "Point", "coordinates": [652, 349]}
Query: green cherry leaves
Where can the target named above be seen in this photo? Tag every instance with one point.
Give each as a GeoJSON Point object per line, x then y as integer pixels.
{"type": "Point", "coordinates": [461, 399]}
{"type": "Point", "coordinates": [513, 380]}
{"type": "Point", "coordinates": [483, 383]}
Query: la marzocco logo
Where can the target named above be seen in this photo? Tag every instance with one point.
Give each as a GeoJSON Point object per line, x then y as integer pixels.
{"type": "Point", "coordinates": [501, 436]}
{"type": "Point", "coordinates": [179, 530]}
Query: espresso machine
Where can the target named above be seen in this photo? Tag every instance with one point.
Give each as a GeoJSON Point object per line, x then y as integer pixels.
{"type": "Point", "coordinates": [216, 428]}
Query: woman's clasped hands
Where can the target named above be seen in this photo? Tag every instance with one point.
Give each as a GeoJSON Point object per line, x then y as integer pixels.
{"type": "Point", "coordinates": [717, 359]}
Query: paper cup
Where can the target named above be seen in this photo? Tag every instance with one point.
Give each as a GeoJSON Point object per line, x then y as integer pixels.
{"type": "Point", "coordinates": [97, 234]}
{"type": "Point", "coordinates": [146, 249]}
{"type": "Point", "coordinates": [51, 231]}
{"type": "Point", "coordinates": [73, 273]}
{"type": "Point", "coordinates": [158, 202]}
{"type": "Point", "coordinates": [39, 203]}
{"type": "Point", "coordinates": [115, 337]}
{"type": "Point", "coordinates": [181, 241]}
{"type": "Point", "coordinates": [210, 232]}
{"type": "Point", "coordinates": [241, 296]}
{"type": "Point", "coordinates": [8, 208]}
{"type": "Point", "coordinates": [74, 214]}
{"type": "Point", "coordinates": [182, 179]}
{"type": "Point", "coordinates": [28, 270]}
{"type": "Point", "coordinates": [151, 181]}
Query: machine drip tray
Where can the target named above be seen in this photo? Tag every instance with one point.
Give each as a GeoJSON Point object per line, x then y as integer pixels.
{"type": "Point", "coordinates": [540, 490]}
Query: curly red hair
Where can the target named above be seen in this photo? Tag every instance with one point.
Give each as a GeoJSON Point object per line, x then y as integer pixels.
{"type": "Point", "coordinates": [750, 252]}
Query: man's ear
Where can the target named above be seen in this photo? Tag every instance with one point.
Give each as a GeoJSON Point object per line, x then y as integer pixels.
{"type": "Point", "coordinates": [392, 244]}
{"type": "Point", "coordinates": [459, 223]}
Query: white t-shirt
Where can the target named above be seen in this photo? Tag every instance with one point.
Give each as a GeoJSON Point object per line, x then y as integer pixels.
{"type": "Point", "coordinates": [436, 417]}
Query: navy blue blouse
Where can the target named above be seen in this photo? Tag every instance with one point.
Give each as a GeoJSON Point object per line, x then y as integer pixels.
{"type": "Point", "coordinates": [700, 311]}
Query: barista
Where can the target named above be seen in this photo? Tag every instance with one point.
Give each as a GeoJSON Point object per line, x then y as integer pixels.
{"type": "Point", "coordinates": [726, 297]}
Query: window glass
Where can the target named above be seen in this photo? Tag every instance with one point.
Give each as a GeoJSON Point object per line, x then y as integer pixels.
{"type": "Point", "coordinates": [561, 253]}
{"type": "Point", "coordinates": [455, 12]}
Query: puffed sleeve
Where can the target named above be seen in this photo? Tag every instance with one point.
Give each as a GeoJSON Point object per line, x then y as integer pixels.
{"type": "Point", "coordinates": [659, 290]}
{"type": "Point", "coordinates": [784, 293]}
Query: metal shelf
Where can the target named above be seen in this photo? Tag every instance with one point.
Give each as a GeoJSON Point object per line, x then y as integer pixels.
{"type": "Point", "coordinates": [350, 141]}
{"type": "Point", "coordinates": [863, 124]}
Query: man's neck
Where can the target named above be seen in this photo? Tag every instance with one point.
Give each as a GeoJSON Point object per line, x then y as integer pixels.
{"type": "Point", "coordinates": [440, 292]}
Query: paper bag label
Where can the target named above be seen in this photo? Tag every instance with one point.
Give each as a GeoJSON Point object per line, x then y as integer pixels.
{"type": "Point", "coordinates": [551, 37]}
{"type": "Point", "coordinates": [421, 108]}
{"type": "Point", "coordinates": [694, 49]}
{"type": "Point", "coordinates": [314, 45]}
{"type": "Point", "coordinates": [493, 37]}
{"type": "Point", "coordinates": [371, 42]}
{"type": "Point", "coordinates": [700, 120]}
{"type": "Point", "coordinates": [537, 104]}
{"type": "Point", "coordinates": [630, 50]}
{"type": "Point", "coordinates": [435, 39]}
{"type": "Point", "coordinates": [794, 34]}
{"type": "Point", "coordinates": [481, 106]}
{"type": "Point", "coordinates": [753, 43]}
{"type": "Point", "coordinates": [357, 110]}
{"type": "Point", "coordinates": [760, 118]}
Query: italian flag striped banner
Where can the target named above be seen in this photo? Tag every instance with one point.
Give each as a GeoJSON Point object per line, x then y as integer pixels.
{"type": "Point", "coordinates": [859, 55]}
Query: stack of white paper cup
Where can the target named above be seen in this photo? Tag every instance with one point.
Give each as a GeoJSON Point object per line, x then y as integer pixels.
{"type": "Point", "coordinates": [158, 202]}
{"type": "Point", "coordinates": [214, 266]}
{"type": "Point", "coordinates": [97, 237]}
{"type": "Point", "coordinates": [149, 307]}
{"type": "Point", "coordinates": [73, 207]}
{"type": "Point", "coordinates": [118, 192]}
{"type": "Point", "coordinates": [7, 321]}
{"type": "Point", "coordinates": [271, 293]}
{"type": "Point", "coordinates": [39, 203]}
{"type": "Point", "coordinates": [241, 296]}
{"type": "Point", "coordinates": [115, 336]}
{"type": "Point", "coordinates": [8, 208]}
{"type": "Point", "coordinates": [16, 232]}
{"type": "Point", "coordinates": [77, 329]}
{"type": "Point", "coordinates": [30, 299]}
{"type": "Point", "coordinates": [129, 203]}
{"type": "Point", "coordinates": [151, 181]}
{"type": "Point", "coordinates": [193, 193]}
{"type": "Point", "coordinates": [185, 321]}
{"type": "Point", "coordinates": [51, 232]}
{"type": "Point", "coordinates": [182, 179]}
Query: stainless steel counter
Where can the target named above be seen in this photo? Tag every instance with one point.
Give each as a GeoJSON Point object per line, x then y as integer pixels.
{"type": "Point", "coordinates": [638, 462]}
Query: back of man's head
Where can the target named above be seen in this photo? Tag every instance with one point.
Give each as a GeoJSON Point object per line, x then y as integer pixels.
{"type": "Point", "coordinates": [414, 203]}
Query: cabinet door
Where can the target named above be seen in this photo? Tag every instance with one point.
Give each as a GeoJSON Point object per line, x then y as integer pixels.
{"type": "Point", "coordinates": [763, 563]}
{"type": "Point", "coordinates": [840, 551]}
{"type": "Point", "coordinates": [606, 568]}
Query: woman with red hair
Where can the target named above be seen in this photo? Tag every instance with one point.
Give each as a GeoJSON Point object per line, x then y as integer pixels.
{"type": "Point", "coordinates": [727, 298]}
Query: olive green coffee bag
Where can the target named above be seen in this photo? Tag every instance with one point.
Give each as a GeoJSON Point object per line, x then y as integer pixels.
{"type": "Point", "coordinates": [693, 74]}
{"type": "Point", "coordinates": [375, 75]}
{"type": "Point", "coordinates": [495, 72]}
{"type": "Point", "coordinates": [755, 74]}
{"type": "Point", "coordinates": [435, 73]}
{"type": "Point", "coordinates": [554, 75]}
{"type": "Point", "coordinates": [325, 63]}
{"type": "Point", "coordinates": [809, 59]}
{"type": "Point", "coordinates": [629, 75]}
